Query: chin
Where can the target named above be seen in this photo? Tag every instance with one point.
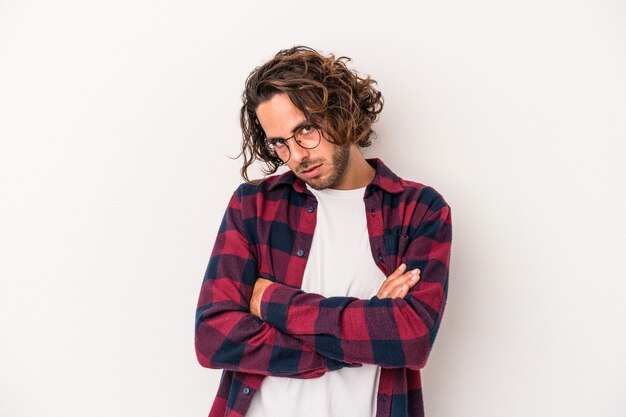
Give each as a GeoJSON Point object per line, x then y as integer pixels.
{"type": "Point", "coordinates": [314, 183]}
{"type": "Point", "coordinates": [321, 183]}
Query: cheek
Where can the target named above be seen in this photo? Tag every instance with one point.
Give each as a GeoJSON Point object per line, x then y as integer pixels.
{"type": "Point", "coordinates": [327, 152]}
{"type": "Point", "coordinates": [292, 166]}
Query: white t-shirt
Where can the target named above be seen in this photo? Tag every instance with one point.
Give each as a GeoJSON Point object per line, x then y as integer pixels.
{"type": "Point", "coordinates": [340, 263]}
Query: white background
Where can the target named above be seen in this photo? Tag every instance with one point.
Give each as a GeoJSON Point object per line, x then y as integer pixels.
{"type": "Point", "coordinates": [116, 122]}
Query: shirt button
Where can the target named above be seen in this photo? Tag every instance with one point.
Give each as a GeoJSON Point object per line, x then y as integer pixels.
{"type": "Point", "coordinates": [246, 391]}
{"type": "Point", "coordinates": [310, 209]}
{"type": "Point", "coordinates": [373, 213]}
{"type": "Point", "coordinates": [380, 258]}
{"type": "Point", "coordinates": [300, 252]}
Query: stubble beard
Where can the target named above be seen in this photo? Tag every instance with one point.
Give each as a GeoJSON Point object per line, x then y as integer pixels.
{"type": "Point", "coordinates": [340, 162]}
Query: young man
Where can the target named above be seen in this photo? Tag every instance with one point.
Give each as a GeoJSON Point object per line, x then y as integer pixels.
{"type": "Point", "coordinates": [327, 283]}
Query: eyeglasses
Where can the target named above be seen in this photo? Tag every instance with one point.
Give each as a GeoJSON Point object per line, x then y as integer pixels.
{"type": "Point", "coordinates": [307, 137]}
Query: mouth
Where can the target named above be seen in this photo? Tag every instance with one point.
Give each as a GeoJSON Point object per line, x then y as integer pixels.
{"type": "Point", "coordinates": [312, 172]}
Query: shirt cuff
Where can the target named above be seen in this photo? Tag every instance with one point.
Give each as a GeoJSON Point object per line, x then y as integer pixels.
{"type": "Point", "coordinates": [275, 303]}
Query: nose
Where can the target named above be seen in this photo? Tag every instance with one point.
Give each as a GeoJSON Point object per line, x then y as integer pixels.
{"type": "Point", "coordinates": [298, 153]}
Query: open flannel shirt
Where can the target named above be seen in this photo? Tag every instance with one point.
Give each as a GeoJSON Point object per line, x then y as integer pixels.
{"type": "Point", "coordinates": [267, 232]}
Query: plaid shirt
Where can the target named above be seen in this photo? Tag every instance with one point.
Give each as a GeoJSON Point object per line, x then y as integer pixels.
{"type": "Point", "coordinates": [267, 232]}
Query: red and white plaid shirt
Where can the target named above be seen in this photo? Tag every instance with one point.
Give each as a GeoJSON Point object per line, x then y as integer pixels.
{"type": "Point", "coordinates": [267, 232]}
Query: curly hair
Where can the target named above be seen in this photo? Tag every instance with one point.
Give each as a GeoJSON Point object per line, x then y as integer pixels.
{"type": "Point", "coordinates": [330, 95]}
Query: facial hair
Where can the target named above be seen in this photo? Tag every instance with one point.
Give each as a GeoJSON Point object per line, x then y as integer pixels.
{"type": "Point", "coordinates": [340, 162]}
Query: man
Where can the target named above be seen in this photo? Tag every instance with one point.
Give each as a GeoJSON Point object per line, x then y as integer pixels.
{"type": "Point", "coordinates": [327, 283]}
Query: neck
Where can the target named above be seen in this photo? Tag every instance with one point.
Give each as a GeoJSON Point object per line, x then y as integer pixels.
{"type": "Point", "coordinates": [358, 172]}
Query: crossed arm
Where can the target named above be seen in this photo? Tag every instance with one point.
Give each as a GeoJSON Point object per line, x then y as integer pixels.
{"type": "Point", "coordinates": [250, 324]}
{"type": "Point", "coordinates": [249, 341]}
{"type": "Point", "coordinates": [396, 285]}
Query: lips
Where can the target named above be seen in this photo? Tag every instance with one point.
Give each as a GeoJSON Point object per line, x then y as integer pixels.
{"type": "Point", "coordinates": [310, 169]}
{"type": "Point", "coordinates": [311, 172]}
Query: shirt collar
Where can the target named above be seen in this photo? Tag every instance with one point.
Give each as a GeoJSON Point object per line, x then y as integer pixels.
{"type": "Point", "coordinates": [384, 178]}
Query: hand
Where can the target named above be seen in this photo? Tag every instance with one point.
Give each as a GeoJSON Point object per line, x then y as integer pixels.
{"type": "Point", "coordinates": [397, 285]}
{"type": "Point", "coordinates": [257, 292]}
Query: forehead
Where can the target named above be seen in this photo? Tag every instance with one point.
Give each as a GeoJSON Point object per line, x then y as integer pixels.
{"type": "Point", "coordinates": [278, 115]}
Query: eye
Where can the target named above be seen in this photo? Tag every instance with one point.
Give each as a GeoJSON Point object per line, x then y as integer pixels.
{"type": "Point", "coordinates": [306, 130]}
{"type": "Point", "coordinates": [276, 143]}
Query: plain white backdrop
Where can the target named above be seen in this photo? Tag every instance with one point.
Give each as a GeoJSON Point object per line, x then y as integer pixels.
{"type": "Point", "coordinates": [116, 122]}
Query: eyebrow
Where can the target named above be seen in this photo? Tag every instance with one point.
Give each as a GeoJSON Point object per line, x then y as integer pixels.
{"type": "Point", "coordinates": [294, 130]}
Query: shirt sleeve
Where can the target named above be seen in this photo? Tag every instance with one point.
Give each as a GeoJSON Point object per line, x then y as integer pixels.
{"type": "Point", "coordinates": [388, 332]}
{"type": "Point", "coordinates": [227, 335]}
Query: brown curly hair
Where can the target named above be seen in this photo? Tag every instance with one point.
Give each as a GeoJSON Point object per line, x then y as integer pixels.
{"type": "Point", "coordinates": [331, 96]}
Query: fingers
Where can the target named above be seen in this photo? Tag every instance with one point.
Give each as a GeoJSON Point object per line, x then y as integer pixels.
{"type": "Point", "coordinates": [257, 294]}
{"type": "Point", "coordinates": [400, 291]}
{"type": "Point", "coordinates": [398, 272]}
{"type": "Point", "coordinates": [398, 283]}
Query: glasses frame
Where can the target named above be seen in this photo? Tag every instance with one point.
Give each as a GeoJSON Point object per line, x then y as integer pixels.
{"type": "Point", "coordinates": [274, 154]}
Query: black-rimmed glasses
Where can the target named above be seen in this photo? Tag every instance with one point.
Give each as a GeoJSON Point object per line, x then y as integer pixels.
{"type": "Point", "coordinates": [307, 137]}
